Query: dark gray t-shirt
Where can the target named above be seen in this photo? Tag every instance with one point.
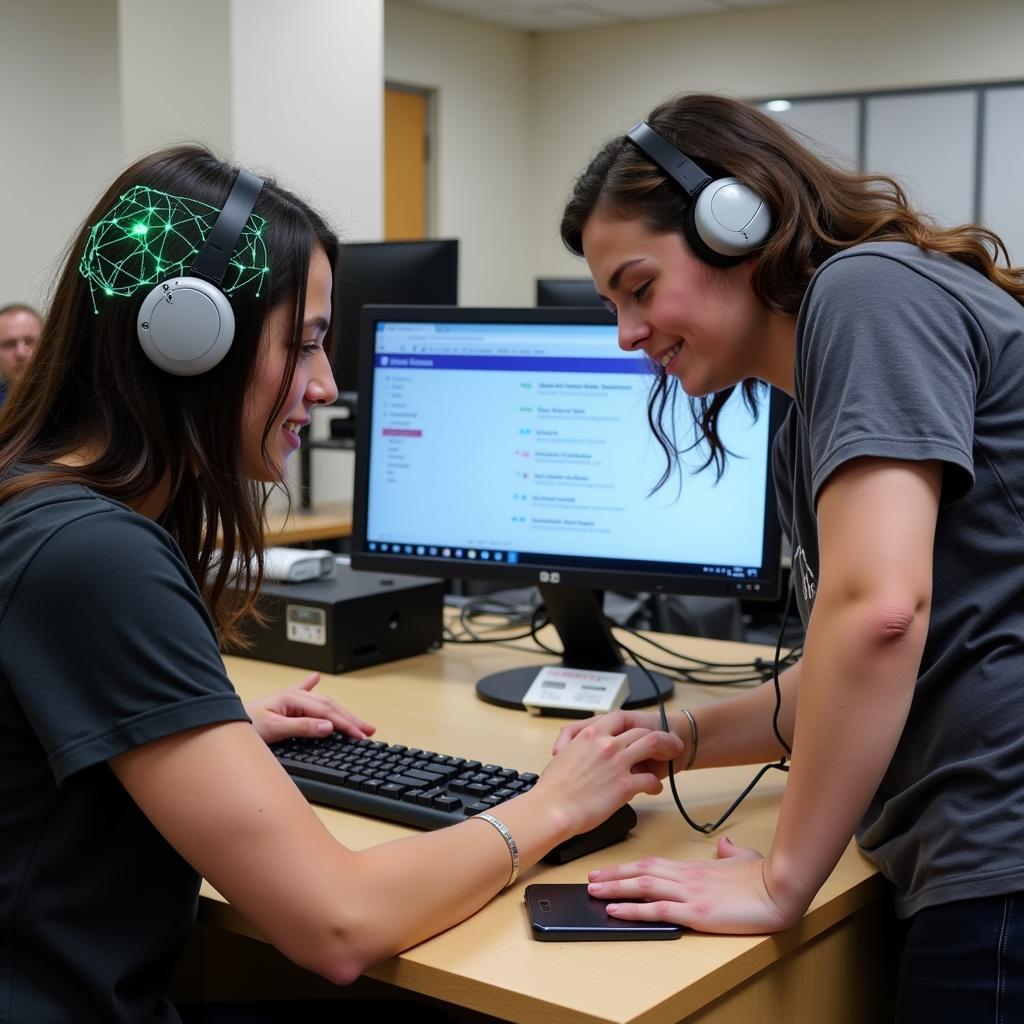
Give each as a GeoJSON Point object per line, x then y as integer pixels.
{"type": "Point", "coordinates": [105, 644]}
{"type": "Point", "coordinates": [908, 355]}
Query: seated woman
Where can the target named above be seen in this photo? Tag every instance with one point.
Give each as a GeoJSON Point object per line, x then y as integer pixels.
{"type": "Point", "coordinates": [155, 409]}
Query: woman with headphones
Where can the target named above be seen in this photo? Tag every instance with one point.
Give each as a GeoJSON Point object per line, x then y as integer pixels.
{"type": "Point", "coordinates": [734, 258]}
{"type": "Point", "coordinates": [187, 342]}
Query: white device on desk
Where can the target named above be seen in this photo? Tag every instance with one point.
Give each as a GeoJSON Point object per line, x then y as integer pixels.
{"type": "Point", "coordinates": [293, 565]}
{"type": "Point", "coordinates": [575, 692]}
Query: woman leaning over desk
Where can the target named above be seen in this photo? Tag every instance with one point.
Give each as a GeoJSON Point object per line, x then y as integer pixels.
{"type": "Point", "coordinates": [901, 484]}
{"type": "Point", "coordinates": [128, 766]}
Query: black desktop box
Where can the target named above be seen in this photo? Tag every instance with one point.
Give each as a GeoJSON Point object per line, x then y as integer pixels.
{"type": "Point", "coordinates": [347, 621]}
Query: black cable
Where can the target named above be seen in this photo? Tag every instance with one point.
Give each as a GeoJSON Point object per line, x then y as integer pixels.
{"type": "Point", "coordinates": [781, 765]}
{"type": "Point", "coordinates": [686, 657]}
{"type": "Point", "coordinates": [538, 620]}
{"type": "Point", "coordinates": [716, 675]}
{"type": "Point", "coordinates": [708, 827]}
{"type": "Point", "coordinates": [516, 615]}
{"type": "Point", "coordinates": [775, 670]}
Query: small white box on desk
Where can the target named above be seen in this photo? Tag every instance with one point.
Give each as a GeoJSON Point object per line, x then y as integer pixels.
{"type": "Point", "coordinates": [575, 692]}
{"type": "Point", "coordinates": [293, 565]}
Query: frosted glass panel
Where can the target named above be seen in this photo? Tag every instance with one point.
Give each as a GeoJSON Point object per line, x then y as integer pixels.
{"type": "Point", "coordinates": [828, 126]}
{"type": "Point", "coordinates": [1002, 184]}
{"type": "Point", "coordinates": [926, 141]}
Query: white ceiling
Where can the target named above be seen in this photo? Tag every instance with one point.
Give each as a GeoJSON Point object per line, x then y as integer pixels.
{"type": "Point", "coordinates": [548, 15]}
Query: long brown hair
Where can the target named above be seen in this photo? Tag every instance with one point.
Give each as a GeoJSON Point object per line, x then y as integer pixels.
{"type": "Point", "coordinates": [817, 210]}
{"type": "Point", "coordinates": [89, 384]}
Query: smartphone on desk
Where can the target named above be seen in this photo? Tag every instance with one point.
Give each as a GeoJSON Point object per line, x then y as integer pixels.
{"type": "Point", "coordinates": [568, 913]}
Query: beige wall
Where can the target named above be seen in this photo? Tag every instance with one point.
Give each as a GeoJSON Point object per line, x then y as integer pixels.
{"type": "Point", "coordinates": [61, 133]}
{"type": "Point", "coordinates": [483, 151]}
{"type": "Point", "coordinates": [175, 75]}
{"type": "Point", "coordinates": [307, 102]}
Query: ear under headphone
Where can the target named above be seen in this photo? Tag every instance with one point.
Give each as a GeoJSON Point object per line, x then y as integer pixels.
{"type": "Point", "coordinates": [186, 324]}
{"type": "Point", "coordinates": [726, 219]}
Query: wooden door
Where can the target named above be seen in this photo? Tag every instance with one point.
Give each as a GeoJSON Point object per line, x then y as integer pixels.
{"type": "Point", "coordinates": [405, 164]}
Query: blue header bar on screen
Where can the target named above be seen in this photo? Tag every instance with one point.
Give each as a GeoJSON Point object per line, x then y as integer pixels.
{"type": "Point", "coordinates": [517, 364]}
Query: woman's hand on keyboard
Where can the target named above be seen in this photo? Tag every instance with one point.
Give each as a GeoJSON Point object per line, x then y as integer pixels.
{"type": "Point", "coordinates": [619, 722]}
{"type": "Point", "coordinates": [604, 766]}
{"type": "Point", "coordinates": [299, 712]}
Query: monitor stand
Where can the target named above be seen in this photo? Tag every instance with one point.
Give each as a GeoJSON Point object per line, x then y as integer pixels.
{"type": "Point", "coordinates": [578, 615]}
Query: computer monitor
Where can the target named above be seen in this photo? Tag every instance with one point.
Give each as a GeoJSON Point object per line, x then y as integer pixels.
{"type": "Point", "coordinates": [567, 291]}
{"type": "Point", "coordinates": [513, 445]}
{"type": "Point", "coordinates": [421, 272]}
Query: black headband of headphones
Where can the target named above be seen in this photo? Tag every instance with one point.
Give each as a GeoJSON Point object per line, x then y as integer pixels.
{"type": "Point", "coordinates": [691, 177]}
{"type": "Point", "coordinates": [211, 262]}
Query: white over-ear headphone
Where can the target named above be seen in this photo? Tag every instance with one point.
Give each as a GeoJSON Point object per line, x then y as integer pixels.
{"type": "Point", "coordinates": [186, 324]}
{"type": "Point", "coordinates": [726, 219]}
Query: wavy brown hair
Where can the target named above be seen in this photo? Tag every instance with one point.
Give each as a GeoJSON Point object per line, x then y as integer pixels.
{"type": "Point", "coordinates": [90, 388]}
{"type": "Point", "coordinates": [817, 211]}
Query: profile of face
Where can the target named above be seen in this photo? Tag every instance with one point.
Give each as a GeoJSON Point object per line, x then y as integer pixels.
{"type": "Point", "coordinates": [312, 382]}
{"type": "Point", "coordinates": [702, 324]}
{"type": "Point", "coordinates": [19, 334]}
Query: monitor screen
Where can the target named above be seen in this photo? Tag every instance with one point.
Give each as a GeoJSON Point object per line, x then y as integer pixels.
{"type": "Point", "coordinates": [513, 445]}
{"type": "Point", "coordinates": [421, 272]}
{"type": "Point", "coordinates": [567, 291]}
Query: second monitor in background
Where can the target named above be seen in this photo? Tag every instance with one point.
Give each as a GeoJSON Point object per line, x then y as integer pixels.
{"type": "Point", "coordinates": [512, 445]}
{"type": "Point", "coordinates": [567, 291]}
{"type": "Point", "coordinates": [424, 272]}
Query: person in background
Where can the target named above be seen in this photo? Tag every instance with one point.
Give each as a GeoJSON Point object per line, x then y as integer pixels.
{"type": "Point", "coordinates": [129, 767]}
{"type": "Point", "coordinates": [20, 326]}
{"type": "Point", "coordinates": [734, 257]}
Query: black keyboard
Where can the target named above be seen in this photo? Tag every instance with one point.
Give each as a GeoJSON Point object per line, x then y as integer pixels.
{"type": "Point", "coordinates": [419, 787]}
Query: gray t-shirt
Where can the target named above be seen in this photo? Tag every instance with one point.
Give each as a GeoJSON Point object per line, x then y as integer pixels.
{"type": "Point", "coordinates": [105, 645]}
{"type": "Point", "coordinates": [911, 355]}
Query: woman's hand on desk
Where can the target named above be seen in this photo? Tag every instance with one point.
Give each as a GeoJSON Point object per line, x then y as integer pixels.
{"type": "Point", "coordinates": [728, 896]}
{"type": "Point", "coordinates": [298, 712]}
{"type": "Point", "coordinates": [622, 721]}
{"type": "Point", "coordinates": [603, 766]}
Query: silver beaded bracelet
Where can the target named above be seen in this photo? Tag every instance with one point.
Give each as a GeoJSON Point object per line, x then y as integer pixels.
{"type": "Point", "coordinates": [509, 842]}
{"type": "Point", "coordinates": [693, 739]}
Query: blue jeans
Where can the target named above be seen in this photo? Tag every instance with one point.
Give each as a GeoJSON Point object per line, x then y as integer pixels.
{"type": "Point", "coordinates": [963, 963]}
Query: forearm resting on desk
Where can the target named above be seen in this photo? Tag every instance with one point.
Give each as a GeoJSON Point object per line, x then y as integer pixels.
{"type": "Point", "coordinates": [865, 639]}
{"type": "Point", "coordinates": [222, 800]}
{"type": "Point", "coordinates": [858, 684]}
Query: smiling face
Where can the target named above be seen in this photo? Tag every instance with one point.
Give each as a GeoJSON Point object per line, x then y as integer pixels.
{"type": "Point", "coordinates": [312, 382]}
{"type": "Point", "coordinates": [705, 326]}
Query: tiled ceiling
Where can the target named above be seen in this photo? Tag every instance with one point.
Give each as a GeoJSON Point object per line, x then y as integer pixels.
{"type": "Point", "coordinates": [549, 15]}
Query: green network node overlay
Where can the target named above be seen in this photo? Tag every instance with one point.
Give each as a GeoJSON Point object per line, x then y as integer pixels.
{"type": "Point", "coordinates": [150, 236]}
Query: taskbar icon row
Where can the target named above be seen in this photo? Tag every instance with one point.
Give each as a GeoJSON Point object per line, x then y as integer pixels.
{"type": "Point", "coordinates": [437, 551]}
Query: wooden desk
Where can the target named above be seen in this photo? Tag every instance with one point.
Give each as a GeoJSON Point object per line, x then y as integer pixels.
{"type": "Point", "coordinates": [835, 966]}
{"type": "Point", "coordinates": [328, 522]}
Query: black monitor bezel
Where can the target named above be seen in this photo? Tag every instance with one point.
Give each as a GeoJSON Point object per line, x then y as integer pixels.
{"type": "Point", "coordinates": [442, 254]}
{"type": "Point", "coordinates": [765, 586]}
{"type": "Point", "coordinates": [575, 284]}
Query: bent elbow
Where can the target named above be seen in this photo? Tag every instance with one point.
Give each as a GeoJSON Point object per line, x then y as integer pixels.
{"type": "Point", "coordinates": [896, 619]}
{"type": "Point", "coordinates": [342, 970]}
{"type": "Point", "coordinates": [877, 616]}
{"type": "Point", "coordinates": [334, 956]}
